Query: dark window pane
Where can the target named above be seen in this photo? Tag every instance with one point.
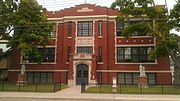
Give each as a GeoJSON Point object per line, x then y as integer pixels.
{"type": "Point", "coordinates": [43, 77]}
{"type": "Point", "coordinates": [85, 49]}
{"type": "Point", "coordinates": [134, 54]}
{"type": "Point", "coordinates": [47, 55]}
{"type": "Point", "coordinates": [30, 77]}
{"type": "Point", "coordinates": [69, 51]}
{"type": "Point", "coordinates": [128, 78]}
{"type": "Point", "coordinates": [53, 33]}
{"type": "Point", "coordinates": [100, 53]}
{"type": "Point", "coordinates": [85, 28]}
{"type": "Point", "coordinates": [100, 28]}
{"type": "Point", "coordinates": [119, 28]}
{"type": "Point", "coordinates": [151, 79]}
{"type": "Point", "coordinates": [36, 77]}
{"type": "Point", "coordinates": [49, 77]}
{"type": "Point", "coordinates": [69, 28]}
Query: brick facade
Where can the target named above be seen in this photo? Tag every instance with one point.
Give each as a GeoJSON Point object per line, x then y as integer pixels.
{"type": "Point", "coordinates": [109, 67]}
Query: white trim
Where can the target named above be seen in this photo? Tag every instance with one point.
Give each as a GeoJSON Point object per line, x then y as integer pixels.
{"type": "Point", "coordinates": [136, 37]}
{"type": "Point", "coordinates": [134, 45]}
{"type": "Point", "coordinates": [133, 71]}
{"type": "Point", "coordinates": [30, 63]}
{"type": "Point", "coordinates": [82, 17]}
{"type": "Point", "coordinates": [69, 37]}
{"type": "Point", "coordinates": [129, 63]}
{"type": "Point", "coordinates": [13, 70]}
{"type": "Point", "coordinates": [100, 37]}
{"type": "Point", "coordinates": [100, 63]}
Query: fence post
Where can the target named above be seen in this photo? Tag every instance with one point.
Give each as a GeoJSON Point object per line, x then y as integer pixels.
{"type": "Point", "coordinates": [2, 85]}
{"type": "Point", "coordinates": [162, 89]}
{"type": "Point", "coordinates": [141, 89]}
{"type": "Point", "coordinates": [100, 87]}
{"type": "Point", "coordinates": [19, 87]}
{"type": "Point", "coordinates": [83, 87]}
{"type": "Point", "coordinates": [120, 88]}
{"type": "Point", "coordinates": [54, 86]}
{"type": "Point", "coordinates": [36, 86]}
{"type": "Point", "coordinates": [60, 85]}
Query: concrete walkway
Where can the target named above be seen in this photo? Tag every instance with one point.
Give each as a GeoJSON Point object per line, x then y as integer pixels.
{"type": "Point", "coordinates": [74, 94]}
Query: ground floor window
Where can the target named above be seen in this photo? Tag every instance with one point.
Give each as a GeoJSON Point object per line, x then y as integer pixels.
{"type": "Point", "coordinates": [151, 78]}
{"type": "Point", "coordinates": [128, 78]}
{"type": "Point", "coordinates": [3, 74]}
{"type": "Point", "coordinates": [133, 78]}
{"type": "Point", "coordinates": [39, 77]}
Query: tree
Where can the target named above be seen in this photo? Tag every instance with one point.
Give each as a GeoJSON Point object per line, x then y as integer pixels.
{"type": "Point", "coordinates": [24, 24]}
{"type": "Point", "coordinates": [156, 21]}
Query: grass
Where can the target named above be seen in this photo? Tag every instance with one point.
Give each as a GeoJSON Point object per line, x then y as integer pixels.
{"type": "Point", "coordinates": [31, 87]}
{"type": "Point", "coordinates": [134, 89]}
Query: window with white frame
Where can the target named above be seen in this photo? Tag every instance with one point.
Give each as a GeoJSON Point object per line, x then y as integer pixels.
{"type": "Point", "coordinates": [134, 54]}
{"type": "Point", "coordinates": [84, 49]}
{"type": "Point", "coordinates": [53, 33]}
{"type": "Point", "coordinates": [84, 28]}
{"type": "Point", "coordinates": [47, 55]}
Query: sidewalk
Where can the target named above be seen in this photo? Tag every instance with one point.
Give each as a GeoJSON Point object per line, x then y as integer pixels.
{"type": "Point", "coordinates": [74, 94]}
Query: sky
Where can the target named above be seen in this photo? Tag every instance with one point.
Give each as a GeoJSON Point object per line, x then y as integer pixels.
{"type": "Point", "coordinates": [55, 5]}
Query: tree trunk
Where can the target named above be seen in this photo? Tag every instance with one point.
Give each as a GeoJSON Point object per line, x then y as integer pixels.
{"type": "Point", "coordinates": [177, 75]}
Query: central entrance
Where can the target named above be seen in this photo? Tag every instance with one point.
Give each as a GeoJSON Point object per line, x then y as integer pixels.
{"type": "Point", "coordinates": [82, 74]}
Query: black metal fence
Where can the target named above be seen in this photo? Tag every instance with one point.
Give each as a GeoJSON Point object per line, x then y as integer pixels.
{"type": "Point", "coordinates": [31, 87]}
{"type": "Point", "coordinates": [130, 89]}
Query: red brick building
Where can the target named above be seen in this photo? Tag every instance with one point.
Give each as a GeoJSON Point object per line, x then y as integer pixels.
{"type": "Point", "coordinates": [87, 47]}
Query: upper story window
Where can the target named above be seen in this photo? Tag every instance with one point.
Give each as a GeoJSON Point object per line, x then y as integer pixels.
{"type": "Point", "coordinates": [47, 55]}
{"type": "Point", "coordinates": [120, 26]}
{"type": "Point", "coordinates": [69, 28]}
{"type": "Point", "coordinates": [85, 28]}
{"type": "Point", "coordinates": [85, 49]}
{"type": "Point", "coordinates": [134, 54]}
{"type": "Point", "coordinates": [137, 33]}
{"type": "Point", "coordinates": [68, 54]}
{"type": "Point", "coordinates": [100, 54]}
{"type": "Point", "coordinates": [53, 33]}
{"type": "Point", "coordinates": [100, 27]}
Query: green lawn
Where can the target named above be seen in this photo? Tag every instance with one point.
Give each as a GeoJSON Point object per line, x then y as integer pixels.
{"type": "Point", "coordinates": [31, 87]}
{"type": "Point", "coordinates": [130, 89]}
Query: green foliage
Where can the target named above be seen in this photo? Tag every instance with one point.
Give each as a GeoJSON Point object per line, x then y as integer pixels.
{"type": "Point", "coordinates": [156, 20]}
{"type": "Point", "coordinates": [175, 16]}
{"type": "Point", "coordinates": [29, 23]}
{"type": "Point", "coordinates": [139, 27]}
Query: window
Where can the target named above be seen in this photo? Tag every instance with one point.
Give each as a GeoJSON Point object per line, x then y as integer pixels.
{"type": "Point", "coordinates": [69, 28]}
{"type": "Point", "coordinates": [128, 54]}
{"type": "Point", "coordinates": [151, 78]}
{"type": "Point", "coordinates": [100, 28]}
{"type": "Point", "coordinates": [137, 33]}
{"type": "Point", "coordinates": [134, 54]}
{"type": "Point", "coordinates": [85, 28]}
{"type": "Point", "coordinates": [85, 49]}
{"type": "Point", "coordinates": [53, 33]}
{"type": "Point", "coordinates": [133, 78]}
{"type": "Point", "coordinates": [99, 78]}
{"type": "Point", "coordinates": [69, 51]}
{"type": "Point", "coordinates": [119, 28]}
{"type": "Point", "coordinates": [128, 78]}
{"type": "Point", "coordinates": [120, 54]}
{"type": "Point", "coordinates": [39, 77]}
{"type": "Point", "coordinates": [47, 55]}
{"type": "Point", "coordinates": [100, 54]}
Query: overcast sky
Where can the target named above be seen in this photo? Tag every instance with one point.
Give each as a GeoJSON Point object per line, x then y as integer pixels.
{"type": "Point", "coordinates": [54, 5]}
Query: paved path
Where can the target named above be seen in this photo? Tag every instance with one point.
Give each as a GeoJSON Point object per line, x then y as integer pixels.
{"type": "Point", "coordinates": [73, 94]}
